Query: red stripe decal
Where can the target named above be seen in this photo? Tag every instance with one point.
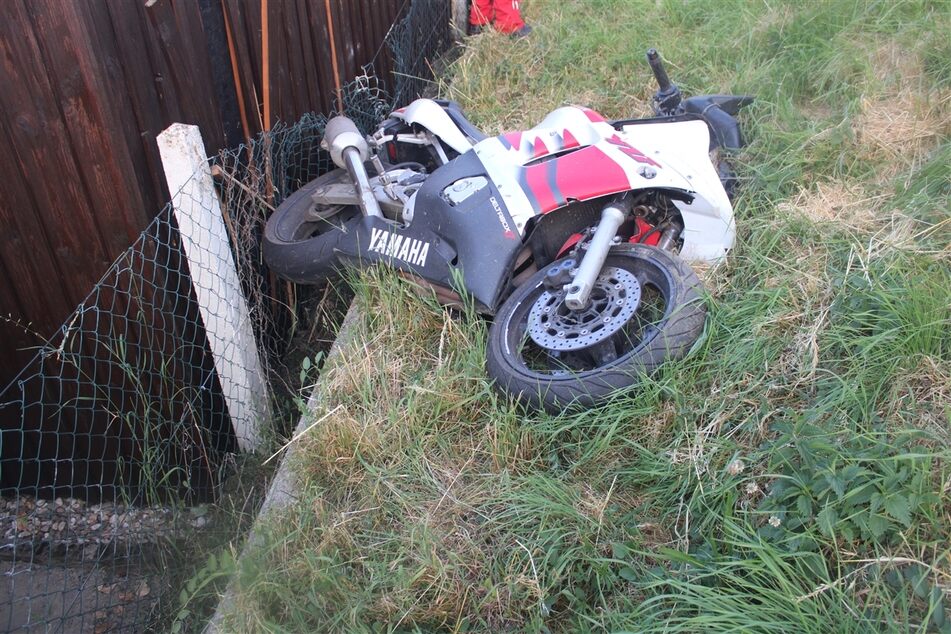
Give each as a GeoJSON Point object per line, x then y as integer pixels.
{"type": "Point", "coordinates": [514, 139]}
{"type": "Point", "coordinates": [589, 173]}
{"type": "Point", "coordinates": [536, 179]}
{"type": "Point", "coordinates": [540, 148]}
{"type": "Point", "coordinates": [632, 151]}
{"type": "Point", "coordinates": [593, 116]}
{"type": "Point", "coordinates": [570, 140]}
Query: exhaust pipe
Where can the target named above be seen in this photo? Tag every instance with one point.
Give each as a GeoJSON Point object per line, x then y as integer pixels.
{"type": "Point", "coordinates": [349, 150]}
{"type": "Point", "coordinates": [669, 237]}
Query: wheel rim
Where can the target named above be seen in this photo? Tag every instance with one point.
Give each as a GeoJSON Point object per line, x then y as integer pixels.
{"type": "Point", "coordinates": [614, 300]}
{"type": "Point", "coordinates": [646, 305]}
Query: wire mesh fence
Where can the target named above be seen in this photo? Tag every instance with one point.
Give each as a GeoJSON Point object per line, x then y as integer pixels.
{"type": "Point", "coordinates": [418, 43]}
{"type": "Point", "coordinates": [135, 473]}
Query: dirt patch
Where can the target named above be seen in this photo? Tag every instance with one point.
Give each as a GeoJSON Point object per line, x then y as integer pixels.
{"type": "Point", "coordinates": [41, 598]}
{"type": "Point", "coordinates": [900, 126]}
{"type": "Point", "coordinates": [899, 131]}
{"type": "Point", "coordinates": [68, 521]}
{"type": "Point", "coordinates": [69, 566]}
{"type": "Point", "coordinates": [835, 201]}
{"type": "Point", "coordinates": [928, 387]}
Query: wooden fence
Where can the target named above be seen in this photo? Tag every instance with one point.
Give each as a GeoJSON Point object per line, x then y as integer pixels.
{"type": "Point", "coordinates": [86, 85]}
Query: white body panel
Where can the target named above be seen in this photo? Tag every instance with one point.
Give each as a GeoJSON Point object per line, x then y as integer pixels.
{"type": "Point", "coordinates": [668, 155]}
{"type": "Point", "coordinates": [502, 161]}
{"type": "Point", "coordinates": [709, 227]}
{"type": "Point", "coordinates": [430, 115]}
{"type": "Point", "coordinates": [497, 163]}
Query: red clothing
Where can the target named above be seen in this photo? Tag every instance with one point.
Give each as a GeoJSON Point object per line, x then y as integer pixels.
{"type": "Point", "coordinates": [505, 14]}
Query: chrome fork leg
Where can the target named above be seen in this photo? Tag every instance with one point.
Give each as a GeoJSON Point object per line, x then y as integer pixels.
{"type": "Point", "coordinates": [579, 291]}
{"type": "Point", "coordinates": [349, 150]}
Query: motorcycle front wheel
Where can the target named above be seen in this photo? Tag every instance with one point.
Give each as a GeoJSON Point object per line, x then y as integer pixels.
{"type": "Point", "coordinates": [646, 308]}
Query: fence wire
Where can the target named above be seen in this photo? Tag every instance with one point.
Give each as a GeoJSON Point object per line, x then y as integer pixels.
{"type": "Point", "coordinates": [418, 44]}
{"type": "Point", "coordinates": [132, 488]}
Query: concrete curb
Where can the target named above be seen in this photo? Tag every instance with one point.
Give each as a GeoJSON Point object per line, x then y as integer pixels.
{"type": "Point", "coordinates": [283, 490]}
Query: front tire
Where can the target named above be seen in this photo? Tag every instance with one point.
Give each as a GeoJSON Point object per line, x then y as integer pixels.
{"type": "Point", "coordinates": [663, 319]}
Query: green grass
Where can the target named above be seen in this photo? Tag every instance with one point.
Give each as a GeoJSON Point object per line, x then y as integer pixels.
{"type": "Point", "coordinates": [791, 475]}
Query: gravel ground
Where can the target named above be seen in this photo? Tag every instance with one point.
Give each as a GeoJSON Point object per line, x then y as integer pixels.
{"type": "Point", "coordinates": [68, 566]}
{"type": "Point", "coordinates": [66, 521]}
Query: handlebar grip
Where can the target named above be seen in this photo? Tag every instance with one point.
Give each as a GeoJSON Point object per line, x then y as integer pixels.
{"type": "Point", "coordinates": [657, 67]}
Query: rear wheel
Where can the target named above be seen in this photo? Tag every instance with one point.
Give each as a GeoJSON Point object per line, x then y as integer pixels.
{"type": "Point", "coordinates": [301, 236]}
{"type": "Point", "coordinates": [645, 309]}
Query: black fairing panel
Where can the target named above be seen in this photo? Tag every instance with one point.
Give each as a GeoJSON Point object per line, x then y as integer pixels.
{"type": "Point", "coordinates": [718, 111]}
{"type": "Point", "coordinates": [411, 249]}
{"type": "Point", "coordinates": [480, 228]}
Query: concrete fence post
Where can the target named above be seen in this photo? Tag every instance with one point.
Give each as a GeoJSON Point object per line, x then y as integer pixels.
{"type": "Point", "coordinates": [215, 280]}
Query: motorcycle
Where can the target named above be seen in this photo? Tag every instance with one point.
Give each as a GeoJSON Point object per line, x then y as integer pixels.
{"type": "Point", "coordinates": [575, 235]}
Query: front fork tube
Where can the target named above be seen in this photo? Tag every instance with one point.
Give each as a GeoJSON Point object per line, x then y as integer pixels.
{"type": "Point", "coordinates": [612, 217]}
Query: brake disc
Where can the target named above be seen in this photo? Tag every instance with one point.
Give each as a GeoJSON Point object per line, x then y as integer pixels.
{"type": "Point", "coordinates": [614, 300]}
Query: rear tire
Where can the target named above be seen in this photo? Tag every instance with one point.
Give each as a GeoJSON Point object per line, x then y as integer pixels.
{"type": "Point", "coordinates": [301, 236]}
{"type": "Point", "coordinates": [654, 334]}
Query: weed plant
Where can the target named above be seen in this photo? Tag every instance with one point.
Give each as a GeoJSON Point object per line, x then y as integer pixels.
{"type": "Point", "coordinates": [791, 475]}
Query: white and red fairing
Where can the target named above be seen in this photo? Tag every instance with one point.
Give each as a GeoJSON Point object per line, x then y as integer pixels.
{"type": "Point", "coordinates": [590, 158]}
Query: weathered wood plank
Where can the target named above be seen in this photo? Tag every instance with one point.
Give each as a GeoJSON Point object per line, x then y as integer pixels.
{"type": "Point", "coordinates": [117, 214]}
{"type": "Point", "coordinates": [251, 22]}
{"type": "Point", "coordinates": [102, 159]}
{"type": "Point", "coordinates": [344, 42]}
{"type": "Point", "coordinates": [36, 292]}
{"type": "Point", "coordinates": [130, 101]}
{"type": "Point", "coordinates": [186, 67]}
{"type": "Point", "coordinates": [292, 63]}
{"type": "Point", "coordinates": [243, 66]}
{"type": "Point", "coordinates": [313, 96]}
{"type": "Point", "coordinates": [193, 42]}
{"type": "Point", "coordinates": [321, 53]}
{"type": "Point", "coordinates": [42, 147]}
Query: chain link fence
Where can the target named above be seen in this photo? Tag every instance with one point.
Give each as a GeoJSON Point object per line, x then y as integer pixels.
{"type": "Point", "coordinates": [136, 475]}
{"type": "Point", "coordinates": [418, 44]}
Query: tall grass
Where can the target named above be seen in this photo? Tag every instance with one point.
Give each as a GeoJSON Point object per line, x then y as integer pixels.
{"type": "Point", "coordinates": [790, 475]}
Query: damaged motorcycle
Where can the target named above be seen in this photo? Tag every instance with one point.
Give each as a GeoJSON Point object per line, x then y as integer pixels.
{"type": "Point", "coordinates": [575, 235]}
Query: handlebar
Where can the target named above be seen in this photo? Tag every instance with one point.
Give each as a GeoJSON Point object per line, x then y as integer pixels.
{"type": "Point", "coordinates": [667, 98]}
{"type": "Point", "coordinates": [657, 67]}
